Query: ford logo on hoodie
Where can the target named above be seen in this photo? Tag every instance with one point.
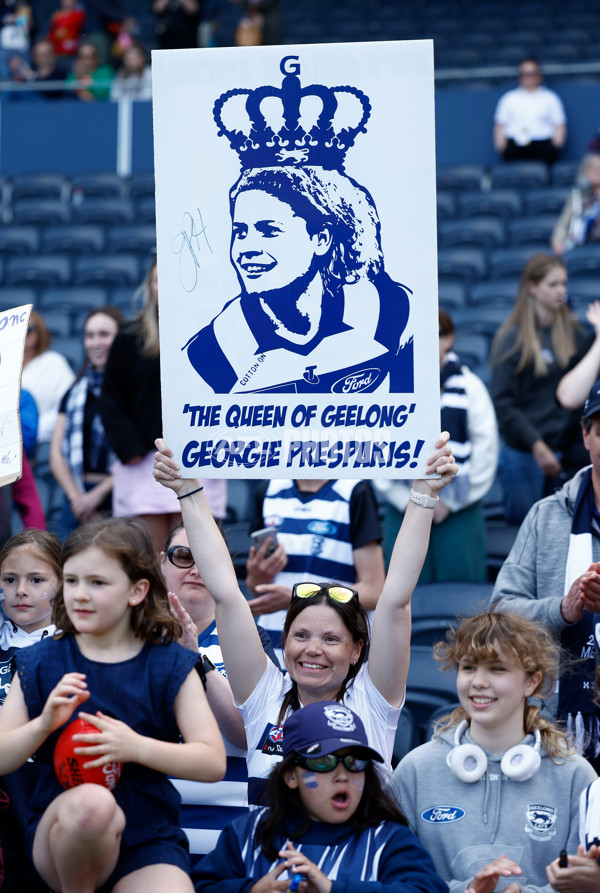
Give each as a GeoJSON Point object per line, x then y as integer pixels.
{"type": "Point", "coordinates": [443, 815]}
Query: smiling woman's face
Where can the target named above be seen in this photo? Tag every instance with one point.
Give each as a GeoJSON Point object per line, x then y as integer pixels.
{"type": "Point", "coordinates": [270, 245]}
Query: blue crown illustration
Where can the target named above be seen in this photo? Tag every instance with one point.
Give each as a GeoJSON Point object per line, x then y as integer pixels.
{"type": "Point", "coordinates": [325, 143]}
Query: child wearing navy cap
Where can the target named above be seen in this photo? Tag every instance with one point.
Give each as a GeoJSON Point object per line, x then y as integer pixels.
{"type": "Point", "coordinates": [326, 817]}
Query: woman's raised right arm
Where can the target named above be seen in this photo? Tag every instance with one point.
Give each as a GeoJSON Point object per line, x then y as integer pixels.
{"type": "Point", "coordinates": [243, 654]}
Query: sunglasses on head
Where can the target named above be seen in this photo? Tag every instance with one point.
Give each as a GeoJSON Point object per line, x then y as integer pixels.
{"type": "Point", "coordinates": [342, 594]}
{"type": "Point", "coordinates": [329, 761]}
{"type": "Point", "coordinates": [180, 556]}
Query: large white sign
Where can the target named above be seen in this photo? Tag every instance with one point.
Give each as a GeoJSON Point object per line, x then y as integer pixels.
{"type": "Point", "coordinates": [295, 199]}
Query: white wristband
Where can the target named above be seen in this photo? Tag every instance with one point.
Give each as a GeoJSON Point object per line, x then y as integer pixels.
{"type": "Point", "coordinates": [426, 502]}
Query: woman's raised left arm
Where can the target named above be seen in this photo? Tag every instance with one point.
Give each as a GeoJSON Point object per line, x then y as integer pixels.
{"type": "Point", "coordinates": [389, 654]}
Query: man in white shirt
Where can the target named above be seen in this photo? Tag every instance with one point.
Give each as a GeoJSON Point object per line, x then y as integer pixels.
{"type": "Point", "coordinates": [530, 122]}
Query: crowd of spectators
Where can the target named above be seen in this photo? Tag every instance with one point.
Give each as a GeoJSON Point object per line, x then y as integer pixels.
{"type": "Point", "coordinates": [535, 427]}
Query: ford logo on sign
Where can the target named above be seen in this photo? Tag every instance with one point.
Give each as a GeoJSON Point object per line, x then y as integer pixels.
{"type": "Point", "coordinates": [443, 815]}
{"type": "Point", "coordinates": [321, 528]}
{"type": "Point", "coordinates": [356, 381]}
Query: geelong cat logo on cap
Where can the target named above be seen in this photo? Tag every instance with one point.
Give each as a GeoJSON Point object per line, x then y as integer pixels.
{"type": "Point", "coordinates": [339, 718]}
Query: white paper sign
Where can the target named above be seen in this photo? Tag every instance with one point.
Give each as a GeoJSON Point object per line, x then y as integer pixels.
{"type": "Point", "coordinates": [13, 330]}
{"type": "Point", "coordinates": [295, 197]}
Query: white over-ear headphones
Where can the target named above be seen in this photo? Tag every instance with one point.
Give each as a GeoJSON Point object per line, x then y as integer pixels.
{"type": "Point", "coordinates": [469, 761]}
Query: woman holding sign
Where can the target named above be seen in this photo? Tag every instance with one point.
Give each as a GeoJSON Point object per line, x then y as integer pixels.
{"type": "Point", "coordinates": [325, 636]}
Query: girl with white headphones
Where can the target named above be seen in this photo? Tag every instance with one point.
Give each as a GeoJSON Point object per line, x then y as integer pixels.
{"type": "Point", "coordinates": [494, 796]}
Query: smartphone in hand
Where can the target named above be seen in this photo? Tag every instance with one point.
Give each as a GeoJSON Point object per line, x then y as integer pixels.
{"type": "Point", "coordinates": [267, 533]}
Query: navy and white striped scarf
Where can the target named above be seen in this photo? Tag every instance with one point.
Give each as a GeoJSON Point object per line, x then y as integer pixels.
{"type": "Point", "coordinates": [454, 406]}
{"type": "Point", "coordinates": [72, 445]}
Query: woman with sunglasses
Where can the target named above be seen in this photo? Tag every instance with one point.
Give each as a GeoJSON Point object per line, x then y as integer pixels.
{"type": "Point", "coordinates": [325, 636]}
{"type": "Point", "coordinates": [206, 808]}
{"type": "Point", "coordinates": [325, 807]}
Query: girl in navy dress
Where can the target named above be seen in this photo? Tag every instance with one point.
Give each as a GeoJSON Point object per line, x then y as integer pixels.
{"type": "Point", "coordinates": [117, 655]}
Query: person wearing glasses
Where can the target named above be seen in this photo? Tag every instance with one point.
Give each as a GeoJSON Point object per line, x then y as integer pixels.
{"type": "Point", "coordinates": [327, 818]}
{"type": "Point", "coordinates": [325, 634]}
{"type": "Point", "coordinates": [530, 122]}
{"type": "Point", "coordinates": [324, 530]}
{"type": "Point", "coordinates": [207, 808]}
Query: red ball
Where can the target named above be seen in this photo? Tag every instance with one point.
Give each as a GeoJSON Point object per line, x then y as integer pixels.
{"type": "Point", "coordinates": [69, 765]}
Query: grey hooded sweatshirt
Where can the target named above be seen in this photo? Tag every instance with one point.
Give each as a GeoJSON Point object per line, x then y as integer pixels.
{"type": "Point", "coordinates": [465, 826]}
{"type": "Point", "coordinates": [531, 581]}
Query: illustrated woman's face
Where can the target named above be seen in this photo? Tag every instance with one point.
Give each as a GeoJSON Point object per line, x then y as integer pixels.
{"type": "Point", "coordinates": [98, 335]}
{"type": "Point", "coordinates": [551, 291]}
{"type": "Point", "coordinates": [270, 245]}
{"type": "Point", "coordinates": [29, 584]}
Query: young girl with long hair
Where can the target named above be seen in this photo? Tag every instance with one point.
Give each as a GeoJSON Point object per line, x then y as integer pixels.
{"type": "Point", "coordinates": [115, 655]}
{"type": "Point", "coordinates": [30, 574]}
{"type": "Point", "coordinates": [326, 817]}
{"type": "Point", "coordinates": [532, 350]}
{"type": "Point", "coordinates": [495, 794]}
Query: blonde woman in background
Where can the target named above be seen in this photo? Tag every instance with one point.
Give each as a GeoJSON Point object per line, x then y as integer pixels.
{"type": "Point", "coordinates": [539, 342]}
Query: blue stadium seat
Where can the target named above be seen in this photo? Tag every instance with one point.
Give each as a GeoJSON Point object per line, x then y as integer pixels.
{"type": "Point", "coordinates": [108, 211]}
{"type": "Point", "coordinates": [487, 232]}
{"type": "Point", "coordinates": [501, 202]}
{"type": "Point", "coordinates": [549, 199]}
{"type": "Point", "coordinates": [445, 205]}
{"type": "Point", "coordinates": [403, 739]}
{"type": "Point", "coordinates": [451, 295]}
{"type": "Point", "coordinates": [52, 269]}
{"type": "Point", "coordinates": [49, 211]}
{"type": "Point", "coordinates": [71, 300]}
{"type": "Point", "coordinates": [123, 298]}
{"type": "Point", "coordinates": [74, 239]}
{"type": "Point", "coordinates": [436, 606]}
{"type": "Point", "coordinates": [142, 185]}
{"type": "Point", "coordinates": [145, 210]}
{"type": "Point", "coordinates": [427, 688]}
{"type": "Point", "coordinates": [484, 320]}
{"type": "Point", "coordinates": [140, 237]}
{"type": "Point", "coordinates": [99, 185]}
{"type": "Point", "coordinates": [115, 269]}
{"type": "Point", "coordinates": [39, 186]}
{"type": "Point", "coordinates": [472, 347]}
{"type": "Point", "coordinates": [58, 323]}
{"type": "Point", "coordinates": [520, 175]}
{"type": "Point", "coordinates": [583, 260]}
{"type": "Point", "coordinates": [510, 261]}
{"type": "Point", "coordinates": [19, 240]}
{"type": "Point", "coordinates": [584, 289]}
{"type": "Point", "coordinates": [564, 173]}
{"type": "Point", "coordinates": [494, 291]}
{"type": "Point", "coordinates": [532, 230]}
{"type": "Point", "coordinates": [464, 264]}
{"type": "Point", "coordinates": [16, 297]}
{"type": "Point", "coordinates": [71, 348]}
